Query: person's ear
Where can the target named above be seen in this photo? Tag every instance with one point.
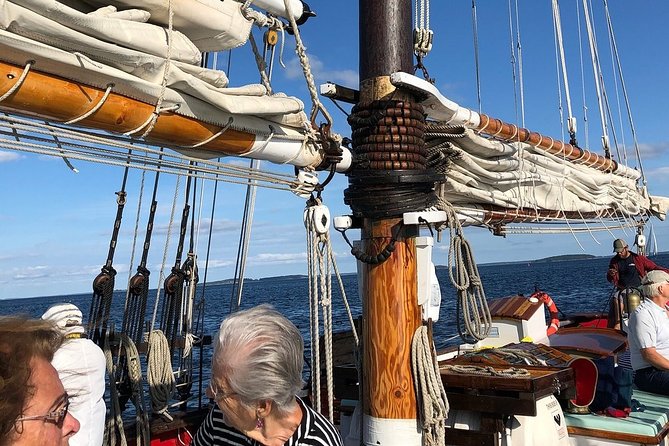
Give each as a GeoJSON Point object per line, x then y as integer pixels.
{"type": "Point", "coordinates": [264, 408]}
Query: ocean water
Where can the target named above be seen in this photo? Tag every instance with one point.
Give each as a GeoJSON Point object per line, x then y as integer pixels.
{"type": "Point", "coordinates": [575, 286]}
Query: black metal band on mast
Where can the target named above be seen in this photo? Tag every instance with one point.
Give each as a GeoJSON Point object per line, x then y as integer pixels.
{"type": "Point", "coordinates": [389, 175]}
{"type": "Point", "coordinates": [103, 284]}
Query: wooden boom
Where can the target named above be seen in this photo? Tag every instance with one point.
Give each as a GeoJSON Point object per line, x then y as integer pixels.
{"type": "Point", "coordinates": [58, 99]}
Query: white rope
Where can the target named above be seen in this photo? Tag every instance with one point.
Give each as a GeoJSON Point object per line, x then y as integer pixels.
{"type": "Point", "coordinates": [597, 72]}
{"type": "Point", "coordinates": [134, 366]}
{"type": "Point", "coordinates": [161, 276]}
{"type": "Point", "coordinates": [582, 76]}
{"type": "Point", "coordinates": [245, 234]}
{"type": "Point", "coordinates": [113, 151]}
{"type": "Point", "coordinates": [430, 392]}
{"type": "Point", "coordinates": [475, 30]}
{"type": "Point", "coordinates": [314, 325]}
{"type": "Point", "coordinates": [467, 281]}
{"type": "Point", "coordinates": [95, 108]}
{"type": "Point", "coordinates": [306, 68]}
{"type": "Point", "coordinates": [624, 88]}
{"type": "Point", "coordinates": [319, 249]}
{"type": "Point", "coordinates": [563, 62]}
{"type": "Point", "coordinates": [166, 72]}
{"type": "Point", "coordinates": [214, 136]}
{"type": "Point", "coordinates": [423, 35]}
{"type": "Point", "coordinates": [113, 421]}
{"type": "Point", "coordinates": [159, 373]}
{"type": "Point", "coordinates": [19, 82]}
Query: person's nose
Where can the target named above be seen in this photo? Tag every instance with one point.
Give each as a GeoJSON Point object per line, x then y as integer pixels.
{"type": "Point", "coordinates": [70, 426]}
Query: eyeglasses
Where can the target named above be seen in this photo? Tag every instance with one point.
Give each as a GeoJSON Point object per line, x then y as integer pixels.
{"type": "Point", "coordinates": [217, 395]}
{"type": "Point", "coordinates": [56, 417]}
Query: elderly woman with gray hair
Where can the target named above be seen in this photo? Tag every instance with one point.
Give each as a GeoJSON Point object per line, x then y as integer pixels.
{"type": "Point", "coordinates": [256, 375]}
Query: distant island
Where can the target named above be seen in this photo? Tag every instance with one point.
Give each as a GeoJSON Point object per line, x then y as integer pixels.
{"type": "Point", "coordinates": [565, 257]}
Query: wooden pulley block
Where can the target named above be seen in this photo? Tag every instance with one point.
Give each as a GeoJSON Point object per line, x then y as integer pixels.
{"type": "Point", "coordinates": [271, 37]}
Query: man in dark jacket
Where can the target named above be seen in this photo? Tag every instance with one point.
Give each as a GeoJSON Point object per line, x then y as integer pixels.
{"type": "Point", "coordinates": [627, 268]}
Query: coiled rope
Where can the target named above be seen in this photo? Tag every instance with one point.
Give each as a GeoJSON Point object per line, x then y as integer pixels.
{"type": "Point", "coordinates": [511, 372]}
{"type": "Point", "coordinates": [466, 280]}
{"type": "Point", "coordinates": [430, 391]}
{"type": "Point", "coordinates": [159, 374]}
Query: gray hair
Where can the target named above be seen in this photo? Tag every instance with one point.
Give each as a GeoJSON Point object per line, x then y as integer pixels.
{"type": "Point", "coordinates": [260, 353]}
{"type": "Point", "coordinates": [650, 290]}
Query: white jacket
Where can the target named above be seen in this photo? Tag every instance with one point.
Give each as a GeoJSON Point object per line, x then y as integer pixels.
{"type": "Point", "coordinates": [81, 367]}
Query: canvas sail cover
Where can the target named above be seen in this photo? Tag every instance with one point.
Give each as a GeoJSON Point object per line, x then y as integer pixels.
{"type": "Point", "coordinates": [212, 25]}
{"type": "Point", "coordinates": [518, 175]}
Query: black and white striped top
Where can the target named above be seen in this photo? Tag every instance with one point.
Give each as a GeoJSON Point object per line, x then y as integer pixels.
{"type": "Point", "coordinates": [314, 429]}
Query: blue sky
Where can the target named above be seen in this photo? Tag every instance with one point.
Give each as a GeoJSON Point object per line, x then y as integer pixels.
{"type": "Point", "coordinates": [55, 225]}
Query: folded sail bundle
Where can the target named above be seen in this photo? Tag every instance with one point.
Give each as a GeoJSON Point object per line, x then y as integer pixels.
{"type": "Point", "coordinates": [114, 71]}
{"type": "Point", "coordinates": [498, 173]}
{"type": "Point", "coordinates": [485, 171]}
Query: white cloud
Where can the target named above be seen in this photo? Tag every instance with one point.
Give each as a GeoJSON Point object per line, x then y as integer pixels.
{"type": "Point", "coordinates": [278, 258]}
{"type": "Point", "coordinates": [33, 272]}
{"type": "Point", "coordinates": [348, 78]}
{"type": "Point", "coordinates": [6, 157]}
{"type": "Point", "coordinates": [658, 172]}
{"type": "Point", "coordinates": [652, 150]}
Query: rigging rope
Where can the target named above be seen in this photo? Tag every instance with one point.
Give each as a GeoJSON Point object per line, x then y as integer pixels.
{"type": "Point", "coordinates": [475, 30]}
{"type": "Point", "coordinates": [557, 23]}
{"type": "Point", "coordinates": [106, 149]}
{"type": "Point", "coordinates": [598, 77]}
{"type": "Point", "coordinates": [244, 241]}
{"type": "Point", "coordinates": [321, 261]}
{"type": "Point", "coordinates": [159, 373]}
{"type": "Point", "coordinates": [624, 88]}
{"type": "Point", "coordinates": [467, 281]}
{"type": "Point", "coordinates": [103, 284]}
{"type": "Point", "coordinates": [432, 399]}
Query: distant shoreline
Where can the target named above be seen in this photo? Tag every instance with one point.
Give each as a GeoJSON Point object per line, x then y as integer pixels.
{"type": "Point", "coordinates": [293, 277]}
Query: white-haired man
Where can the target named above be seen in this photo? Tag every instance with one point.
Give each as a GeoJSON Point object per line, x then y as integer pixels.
{"type": "Point", "coordinates": [81, 366]}
{"type": "Point", "coordinates": [649, 335]}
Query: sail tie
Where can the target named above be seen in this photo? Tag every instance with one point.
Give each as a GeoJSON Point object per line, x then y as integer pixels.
{"type": "Point", "coordinates": [95, 108]}
{"type": "Point", "coordinates": [19, 82]}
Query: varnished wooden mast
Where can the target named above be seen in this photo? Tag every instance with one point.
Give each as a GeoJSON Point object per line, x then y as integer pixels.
{"type": "Point", "coordinates": [390, 310]}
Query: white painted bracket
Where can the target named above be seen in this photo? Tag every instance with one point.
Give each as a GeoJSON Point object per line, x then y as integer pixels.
{"type": "Point", "coordinates": [423, 217]}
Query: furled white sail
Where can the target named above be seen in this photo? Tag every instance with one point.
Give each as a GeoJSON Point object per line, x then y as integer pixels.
{"type": "Point", "coordinates": [212, 25]}
{"type": "Point", "coordinates": [527, 178]}
{"type": "Point", "coordinates": [119, 52]}
{"type": "Point", "coordinates": [517, 175]}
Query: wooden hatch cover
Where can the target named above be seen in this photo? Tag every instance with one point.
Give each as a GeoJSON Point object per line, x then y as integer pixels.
{"type": "Point", "coordinates": [587, 341]}
{"type": "Point", "coordinates": [514, 307]}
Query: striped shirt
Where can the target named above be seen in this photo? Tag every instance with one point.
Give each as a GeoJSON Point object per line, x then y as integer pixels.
{"type": "Point", "coordinates": [314, 429]}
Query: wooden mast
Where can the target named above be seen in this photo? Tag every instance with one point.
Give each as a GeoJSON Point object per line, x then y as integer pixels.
{"type": "Point", "coordinates": [387, 164]}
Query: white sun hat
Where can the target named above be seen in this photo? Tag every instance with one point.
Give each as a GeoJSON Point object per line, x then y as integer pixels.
{"type": "Point", "coordinates": [67, 317]}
